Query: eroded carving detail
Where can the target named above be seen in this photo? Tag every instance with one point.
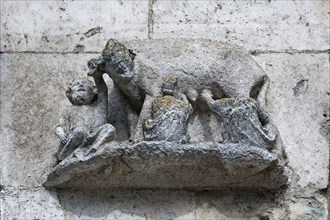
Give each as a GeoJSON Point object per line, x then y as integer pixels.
{"type": "Point", "coordinates": [169, 116]}
{"type": "Point", "coordinates": [164, 87]}
{"type": "Point", "coordinates": [243, 120]}
{"type": "Point", "coordinates": [85, 125]}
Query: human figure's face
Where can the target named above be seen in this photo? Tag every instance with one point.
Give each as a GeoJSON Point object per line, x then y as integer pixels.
{"type": "Point", "coordinates": [80, 93]}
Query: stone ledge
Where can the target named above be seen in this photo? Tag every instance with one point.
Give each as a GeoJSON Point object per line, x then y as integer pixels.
{"type": "Point", "coordinates": [170, 165]}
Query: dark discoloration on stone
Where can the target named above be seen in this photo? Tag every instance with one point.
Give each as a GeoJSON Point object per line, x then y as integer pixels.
{"type": "Point", "coordinates": [169, 116]}
{"type": "Point", "coordinates": [325, 129]}
{"type": "Point", "coordinates": [169, 120]}
{"type": "Point", "coordinates": [79, 48]}
{"type": "Point", "coordinates": [301, 87]}
{"type": "Point", "coordinates": [93, 31]}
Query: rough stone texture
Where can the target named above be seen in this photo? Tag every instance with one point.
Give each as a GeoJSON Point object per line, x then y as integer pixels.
{"type": "Point", "coordinates": [198, 64]}
{"type": "Point", "coordinates": [256, 25]}
{"type": "Point", "coordinates": [33, 203]}
{"type": "Point", "coordinates": [156, 165]}
{"type": "Point", "coordinates": [99, 204]}
{"type": "Point", "coordinates": [228, 71]}
{"type": "Point", "coordinates": [66, 26]}
{"type": "Point", "coordinates": [300, 115]}
{"type": "Point", "coordinates": [272, 28]}
{"type": "Point", "coordinates": [27, 91]}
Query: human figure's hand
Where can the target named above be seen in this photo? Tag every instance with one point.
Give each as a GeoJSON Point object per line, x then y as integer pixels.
{"type": "Point", "coordinates": [94, 67]}
{"type": "Point", "coordinates": [206, 95]}
{"type": "Point", "coordinates": [59, 131]}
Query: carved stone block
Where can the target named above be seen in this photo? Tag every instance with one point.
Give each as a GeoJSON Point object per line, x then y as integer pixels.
{"type": "Point", "coordinates": [168, 165]}
{"type": "Point", "coordinates": [164, 87]}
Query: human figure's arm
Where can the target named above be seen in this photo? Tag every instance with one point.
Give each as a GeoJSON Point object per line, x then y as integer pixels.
{"type": "Point", "coordinates": [206, 96]}
{"type": "Point", "coordinates": [60, 133]}
{"type": "Point", "coordinates": [96, 67]}
{"type": "Point", "coordinates": [144, 114]}
{"type": "Point", "coordinates": [102, 100]}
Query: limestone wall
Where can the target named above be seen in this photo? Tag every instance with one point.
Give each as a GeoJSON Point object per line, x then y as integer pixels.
{"type": "Point", "coordinates": [45, 44]}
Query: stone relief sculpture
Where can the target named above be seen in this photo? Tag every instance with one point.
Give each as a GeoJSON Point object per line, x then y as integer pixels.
{"type": "Point", "coordinates": [169, 116]}
{"type": "Point", "coordinates": [140, 81]}
{"type": "Point", "coordinates": [163, 87]}
{"type": "Point", "coordinates": [243, 120]}
{"type": "Point", "coordinates": [84, 125]}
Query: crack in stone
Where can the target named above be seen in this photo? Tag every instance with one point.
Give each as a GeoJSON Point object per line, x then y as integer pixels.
{"type": "Point", "coordinates": [252, 52]}
{"type": "Point", "coordinates": [150, 18]}
{"type": "Point", "coordinates": [291, 51]}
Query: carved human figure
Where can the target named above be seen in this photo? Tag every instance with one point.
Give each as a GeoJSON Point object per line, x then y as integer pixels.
{"type": "Point", "coordinates": [169, 115]}
{"type": "Point", "coordinates": [243, 120]}
{"type": "Point", "coordinates": [85, 125]}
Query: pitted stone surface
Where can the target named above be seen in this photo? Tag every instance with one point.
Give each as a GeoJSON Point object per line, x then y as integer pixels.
{"type": "Point", "coordinates": [197, 63]}
{"type": "Point", "coordinates": [298, 101]}
{"type": "Point", "coordinates": [262, 25]}
{"type": "Point", "coordinates": [168, 165]}
{"type": "Point", "coordinates": [56, 26]}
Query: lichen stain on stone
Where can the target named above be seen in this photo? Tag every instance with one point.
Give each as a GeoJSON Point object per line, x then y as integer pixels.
{"type": "Point", "coordinates": [168, 102]}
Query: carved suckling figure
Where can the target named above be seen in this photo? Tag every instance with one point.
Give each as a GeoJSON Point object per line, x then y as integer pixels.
{"type": "Point", "coordinates": [169, 115]}
{"type": "Point", "coordinates": [243, 120]}
{"type": "Point", "coordinates": [84, 124]}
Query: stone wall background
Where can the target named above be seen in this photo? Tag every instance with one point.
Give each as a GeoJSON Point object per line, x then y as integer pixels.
{"type": "Point", "coordinates": [45, 44]}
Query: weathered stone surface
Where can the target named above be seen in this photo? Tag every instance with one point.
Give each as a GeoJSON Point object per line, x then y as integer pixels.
{"type": "Point", "coordinates": [169, 116]}
{"type": "Point", "coordinates": [128, 204]}
{"type": "Point", "coordinates": [271, 26]}
{"type": "Point", "coordinates": [39, 203]}
{"type": "Point", "coordinates": [169, 165]}
{"type": "Point", "coordinates": [218, 204]}
{"type": "Point", "coordinates": [70, 26]}
{"type": "Point", "coordinates": [198, 64]}
{"type": "Point", "coordinates": [27, 164]}
{"type": "Point", "coordinates": [299, 103]}
{"type": "Point", "coordinates": [36, 203]}
{"type": "Point", "coordinates": [32, 102]}
{"type": "Point", "coordinates": [256, 25]}
{"type": "Point", "coordinates": [306, 204]}
{"type": "Point", "coordinates": [226, 70]}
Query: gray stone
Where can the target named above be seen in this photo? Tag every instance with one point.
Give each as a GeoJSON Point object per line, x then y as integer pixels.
{"type": "Point", "coordinates": [84, 124]}
{"type": "Point", "coordinates": [53, 26]}
{"type": "Point", "coordinates": [31, 95]}
{"type": "Point", "coordinates": [244, 121]}
{"type": "Point", "coordinates": [169, 165]}
{"type": "Point", "coordinates": [290, 40]}
{"type": "Point", "coordinates": [256, 25]}
{"type": "Point", "coordinates": [169, 116]}
{"type": "Point", "coordinates": [138, 68]}
{"type": "Point", "coordinates": [248, 136]}
{"type": "Point", "coordinates": [300, 118]}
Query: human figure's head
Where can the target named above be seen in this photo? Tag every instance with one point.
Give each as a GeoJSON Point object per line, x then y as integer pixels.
{"type": "Point", "coordinates": [81, 92]}
{"type": "Point", "coordinates": [170, 86]}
